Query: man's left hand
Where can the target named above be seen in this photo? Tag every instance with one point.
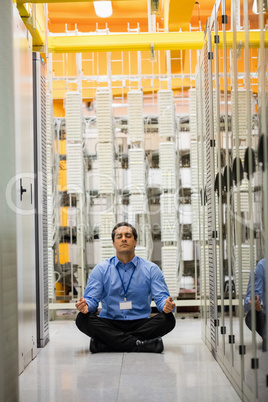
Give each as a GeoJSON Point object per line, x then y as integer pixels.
{"type": "Point", "coordinates": [169, 305]}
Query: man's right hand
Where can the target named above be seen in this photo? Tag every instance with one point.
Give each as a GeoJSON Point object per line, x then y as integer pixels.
{"type": "Point", "coordinates": [82, 306]}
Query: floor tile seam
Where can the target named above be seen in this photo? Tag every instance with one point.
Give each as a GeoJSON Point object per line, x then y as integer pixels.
{"type": "Point", "coordinates": [120, 375]}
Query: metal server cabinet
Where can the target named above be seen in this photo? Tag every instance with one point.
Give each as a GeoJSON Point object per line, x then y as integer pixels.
{"type": "Point", "coordinates": [22, 204]}
{"type": "Point", "coordinates": [41, 225]}
{"type": "Point", "coordinates": [9, 387]}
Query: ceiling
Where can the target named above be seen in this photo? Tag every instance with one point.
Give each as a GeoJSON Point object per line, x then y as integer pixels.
{"type": "Point", "coordinates": [82, 15]}
{"type": "Point", "coordinates": [176, 14]}
{"type": "Point", "coordinates": [131, 12]}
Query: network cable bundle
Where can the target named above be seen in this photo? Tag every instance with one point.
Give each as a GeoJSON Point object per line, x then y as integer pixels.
{"type": "Point", "coordinates": [73, 116]}
{"type": "Point", "coordinates": [105, 138]}
{"type": "Point", "coordinates": [74, 152]}
{"type": "Point", "coordinates": [169, 261]}
{"type": "Point", "coordinates": [137, 170]}
{"type": "Point", "coordinates": [198, 217]}
{"type": "Point", "coordinates": [105, 148]}
{"type": "Point", "coordinates": [104, 115]}
{"type": "Point", "coordinates": [135, 116]}
{"type": "Point", "coordinates": [138, 203]}
{"type": "Point", "coordinates": [106, 168]}
{"type": "Point", "coordinates": [75, 168]}
{"type": "Point", "coordinates": [166, 113]}
{"type": "Point", "coordinates": [137, 176]}
{"type": "Point", "coordinates": [106, 226]}
{"type": "Point", "coordinates": [168, 218]}
{"type": "Point", "coordinates": [168, 165]}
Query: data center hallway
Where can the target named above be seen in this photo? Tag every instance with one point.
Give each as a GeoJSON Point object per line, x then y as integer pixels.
{"type": "Point", "coordinates": [66, 371]}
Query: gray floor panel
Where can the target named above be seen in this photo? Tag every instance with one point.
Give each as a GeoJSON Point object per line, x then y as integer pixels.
{"type": "Point", "coordinates": [66, 371]}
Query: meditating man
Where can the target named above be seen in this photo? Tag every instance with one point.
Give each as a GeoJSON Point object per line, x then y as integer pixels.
{"type": "Point", "coordinates": [125, 285]}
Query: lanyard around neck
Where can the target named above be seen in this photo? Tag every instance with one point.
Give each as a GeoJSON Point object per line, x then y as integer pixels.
{"type": "Point", "coordinates": [125, 289]}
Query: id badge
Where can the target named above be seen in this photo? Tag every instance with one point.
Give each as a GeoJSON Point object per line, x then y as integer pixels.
{"type": "Point", "coordinates": [127, 305]}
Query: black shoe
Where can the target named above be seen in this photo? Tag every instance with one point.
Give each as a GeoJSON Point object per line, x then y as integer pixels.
{"type": "Point", "coordinates": [149, 346]}
{"type": "Point", "coordinates": [97, 346]}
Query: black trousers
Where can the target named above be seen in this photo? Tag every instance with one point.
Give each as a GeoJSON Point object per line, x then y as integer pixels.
{"type": "Point", "coordinates": [260, 322]}
{"type": "Point", "coordinates": [260, 325]}
{"type": "Point", "coordinates": [121, 336]}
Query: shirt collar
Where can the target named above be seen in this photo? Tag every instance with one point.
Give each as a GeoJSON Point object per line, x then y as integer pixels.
{"type": "Point", "coordinates": [134, 261]}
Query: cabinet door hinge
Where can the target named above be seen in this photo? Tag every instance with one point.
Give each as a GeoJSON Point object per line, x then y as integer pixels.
{"type": "Point", "coordinates": [224, 19]}
{"type": "Point", "coordinates": [231, 339]}
{"type": "Point", "coordinates": [216, 39]}
{"type": "Point", "coordinates": [255, 363]}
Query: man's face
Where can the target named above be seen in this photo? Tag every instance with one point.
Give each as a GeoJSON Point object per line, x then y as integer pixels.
{"type": "Point", "coordinates": [124, 240]}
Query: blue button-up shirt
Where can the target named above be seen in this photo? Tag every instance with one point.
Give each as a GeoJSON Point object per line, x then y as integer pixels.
{"type": "Point", "coordinates": [259, 276]}
{"type": "Point", "coordinates": [104, 284]}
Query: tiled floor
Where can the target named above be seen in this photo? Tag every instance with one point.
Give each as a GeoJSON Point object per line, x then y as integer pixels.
{"type": "Point", "coordinates": [66, 371]}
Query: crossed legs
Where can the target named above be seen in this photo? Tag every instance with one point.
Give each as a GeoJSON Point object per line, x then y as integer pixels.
{"type": "Point", "coordinates": [121, 336]}
{"type": "Point", "coordinates": [260, 325]}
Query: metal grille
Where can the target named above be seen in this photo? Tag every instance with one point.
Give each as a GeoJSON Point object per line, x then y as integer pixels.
{"type": "Point", "coordinates": [241, 113]}
{"type": "Point", "coordinates": [50, 273]}
{"type": "Point", "coordinates": [50, 196]}
{"type": "Point", "coordinates": [205, 284]}
{"type": "Point", "coordinates": [209, 191]}
{"type": "Point", "coordinates": [41, 200]}
{"type": "Point", "coordinates": [44, 202]}
{"type": "Point", "coordinates": [193, 114]}
{"type": "Point", "coordinates": [194, 165]}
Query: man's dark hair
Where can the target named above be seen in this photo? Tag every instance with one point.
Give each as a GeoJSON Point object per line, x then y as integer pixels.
{"type": "Point", "coordinates": [134, 231]}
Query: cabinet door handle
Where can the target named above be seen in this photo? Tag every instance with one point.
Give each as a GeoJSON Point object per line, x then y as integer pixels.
{"type": "Point", "coordinates": [22, 190]}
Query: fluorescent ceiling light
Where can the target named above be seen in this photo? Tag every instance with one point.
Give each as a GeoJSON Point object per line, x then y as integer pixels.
{"type": "Point", "coordinates": [255, 7]}
{"type": "Point", "coordinates": [103, 9]}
